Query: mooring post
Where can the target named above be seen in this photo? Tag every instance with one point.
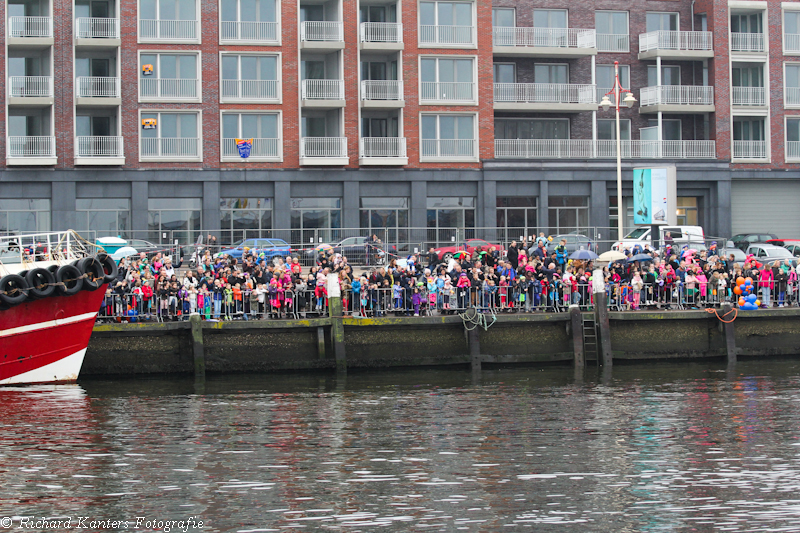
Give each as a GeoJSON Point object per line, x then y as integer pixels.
{"type": "Point", "coordinates": [730, 332]}
{"type": "Point", "coordinates": [336, 312]}
{"type": "Point", "coordinates": [601, 317]}
{"type": "Point", "coordinates": [198, 350]}
{"type": "Point", "coordinates": [474, 348]}
{"type": "Point", "coordinates": [321, 342]}
{"type": "Point", "coordinates": [578, 349]}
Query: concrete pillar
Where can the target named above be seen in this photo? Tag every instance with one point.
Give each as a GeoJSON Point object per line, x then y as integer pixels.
{"type": "Point", "coordinates": [336, 313]}
{"type": "Point", "coordinates": [604, 329]}
{"type": "Point", "coordinates": [542, 209]}
{"type": "Point", "coordinates": [198, 350]}
{"type": "Point", "coordinates": [139, 206]}
{"type": "Point", "coordinates": [350, 205]}
{"type": "Point", "coordinates": [578, 349]}
{"type": "Point", "coordinates": [730, 332]}
{"type": "Point", "coordinates": [489, 209]}
{"type": "Point", "coordinates": [419, 204]}
{"type": "Point", "coordinates": [62, 206]}
{"type": "Point", "coordinates": [598, 210]}
{"type": "Point", "coordinates": [211, 220]}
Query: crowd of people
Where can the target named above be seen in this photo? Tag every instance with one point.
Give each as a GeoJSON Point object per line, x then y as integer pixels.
{"type": "Point", "coordinates": [536, 276]}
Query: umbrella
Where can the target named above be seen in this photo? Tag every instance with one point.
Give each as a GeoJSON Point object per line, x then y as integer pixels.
{"type": "Point", "coordinates": [611, 256]}
{"type": "Point", "coordinates": [586, 255]}
{"type": "Point", "coordinates": [323, 247]}
{"type": "Point", "coordinates": [640, 257]}
{"type": "Point", "coordinates": [690, 251]}
{"type": "Point", "coordinates": [459, 255]}
{"type": "Point", "coordinates": [482, 253]}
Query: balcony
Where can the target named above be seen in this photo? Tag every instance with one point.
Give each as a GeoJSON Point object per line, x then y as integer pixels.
{"type": "Point", "coordinates": [323, 151]}
{"type": "Point", "coordinates": [170, 148]}
{"type": "Point", "coordinates": [793, 151]}
{"type": "Point", "coordinates": [261, 150]}
{"type": "Point", "coordinates": [31, 150]}
{"type": "Point", "coordinates": [544, 42]}
{"type": "Point", "coordinates": [322, 93]}
{"type": "Point", "coordinates": [30, 90]}
{"type": "Point", "coordinates": [749, 96]}
{"type": "Point", "coordinates": [610, 42]}
{"type": "Point", "coordinates": [169, 30]}
{"type": "Point", "coordinates": [545, 97]}
{"type": "Point", "coordinates": [382, 151]}
{"type": "Point", "coordinates": [791, 96]}
{"type": "Point", "coordinates": [94, 90]}
{"type": "Point", "coordinates": [747, 42]}
{"type": "Point", "coordinates": [676, 45]}
{"type": "Point", "coordinates": [322, 35]}
{"type": "Point", "coordinates": [443, 150]}
{"type": "Point", "coordinates": [251, 91]}
{"type": "Point", "coordinates": [381, 35]}
{"type": "Point", "coordinates": [446, 35]}
{"type": "Point", "coordinates": [749, 150]}
{"type": "Point", "coordinates": [382, 93]}
{"type": "Point", "coordinates": [30, 31]}
{"type": "Point", "coordinates": [97, 32]}
{"type": "Point", "coordinates": [677, 99]}
{"type": "Point", "coordinates": [791, 44]}
{"type": "Point", "coordinates": [235, 32]}
{"type": "Point", "coordinates": [462, 92]}
{"type": "Point", "coordinates": [96, 150]}
{"type": "Point", "coordinates": [606, 149]}
{"type": "Point", "coordinates": [160, 89]}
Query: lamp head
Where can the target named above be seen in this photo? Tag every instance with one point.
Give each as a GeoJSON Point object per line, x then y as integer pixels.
{"type": "Point", "coordinates": [629, 100]}
{"type": "Point", "coordinates": [605, 103]}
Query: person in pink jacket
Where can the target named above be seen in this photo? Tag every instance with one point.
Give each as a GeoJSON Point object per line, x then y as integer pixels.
{"type": "Point", "coordinates": [766, 284]}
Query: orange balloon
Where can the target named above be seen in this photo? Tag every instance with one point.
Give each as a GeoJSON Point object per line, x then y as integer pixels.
{"type": "Point", "coordinates": [740, 280]}
{"type": "Point", "coordinates": [748, 278]}
{"type": "Point", "coordinates": [737, 290]}
{"type": "Point", "coordinates": [741, 302]}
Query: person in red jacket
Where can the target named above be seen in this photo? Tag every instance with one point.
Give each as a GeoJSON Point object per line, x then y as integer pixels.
{"type": "Point", "coordinates": [766, 282]}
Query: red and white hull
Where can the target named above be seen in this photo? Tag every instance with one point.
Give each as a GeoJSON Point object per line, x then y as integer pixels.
{"type": "Point", "coordinates": [44, 341]}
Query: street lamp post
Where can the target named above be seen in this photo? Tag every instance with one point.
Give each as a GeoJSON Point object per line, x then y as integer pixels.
{"type": "Point", "coordinates": [605, 103]}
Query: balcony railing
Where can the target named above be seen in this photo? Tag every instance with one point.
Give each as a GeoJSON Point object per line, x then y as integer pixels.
{"type": "Point", "coordinates": [323, 147]}
{"type": "Point", "coordinates": [96, 146]}
{"type": "Point", "coordinates": [30, 86]}
{"type": "Point", "coordinates": [382, 147]}
{"type": "Point", "coordinates": [678, 95]}
{"type": "Point", "coordinates": [792, 95]}
{"type": "Point", "coordinates": [749, 149]}
{"type": "Point", "coordinates": [98, 87]}
{"type": "Point", "coordinates": [550, 93]}
{"type": "Point", "coordinates": [442, 34]}
{"type": "Point", "coordinates": [250, 89]}
{"type": "Point", "coordinates": [748, 96]}
{"type": "Point", "coordinates": [167, 88]}
{"type": "Point", "coordinates": [450, 148]}
{"type": "Point", "coordinates": [323, 90]}
{"type": "Point", "coordinates": [381, 32]}
{"type": "Point", "coordinates": [179, 30]}
{"type": "Point", "coordinates": [791, 42]}
{"type": "Point", "coordinates": [97, 28]}
{"type": "Point", "coordinates": [545, 37]}
{"type": "Point", "coordinates": [321, 31]}
{"type": "Point", "coordinates": [747, 42]}
{"type": "Point", "coordinates": [261, 148]}
{"type": "Point", "coordinates": [447, 91]}
{"type": "Point", "coordinates": [793, 150]}
{"type": "Point", "coordinates": [382, 90]}
{"type": "Point", "coordinates": [613, 42]}
{"type": "Point", "coordinates": [602, 91]}
{"type": "Point", "coordinates": [176, 147]}
{"type": "Point", "coordinates": [31, 146]}
{"type": "Point", "coordinates": [676, 40]}
{"type": "Point", "coordinates": [587, 149]}
{"type": "Point", "coordinates": [30, 26]}
{"type": "Point", "coordinates": [259, 32]}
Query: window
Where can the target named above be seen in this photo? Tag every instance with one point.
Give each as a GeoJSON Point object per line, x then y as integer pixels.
{"type": "Point", "coordinates": [243, 218]}
{"type": "Point", "coordinates": [749, 23]}
{"type": "Point", "coordinates": [250, 77]}
{"type": "Point", "coordinates": [550, 73]}
{"type": "Point", "coordinates": [607, 129]}
{"type": "Point", "coordinates": [670, 129]}
{"type": "Point", "coordinates": [316, 218]}
{"type": "Point", "coordinates": [20, 215]}
{"type": "Point", "coordinates": [567, 214]}
{"type": "Point", "coordinates": [503, 17]}
{"type": "Point", "coordinates": [175, 136]}
{"type": "Point", "coordinates": [378, 13]}
{"type": "Point", "coordinates": [249, 21]}
{"type": "Point", "coordinates": [385, 217]}
{"type": "Point", "coordinates": [105, 216]}
{"type": "Point", "coordinates": [444, 79]}
{"type": "Point", "coordinates": [446, 23]}
{"type": "Point", "coordinates": [168, 20]}
{"type": "Point", "coordinates": [447, 214]}
{"type": "Point", "coordinates": [662, 21]}
{"type": "Point", "coordinates": [612, 31]}
{"type": "Point", "coordinates": [605, 78]}
{"type": "Point", "coordinates": [261, 127]}
{"type": "Point", "coordinates": [791, 78]}
{"type": "Point", "coordinates": [747, 75]}
{"type": "Point", "coordinates": [380, 126]}
{"type": "Point", "coordinates": [516, 216]}
{"type": "Point", "coordinates": [549, 18]}
{"type": "Point", "coordinates": [748, 129]}
{"type": "Point", "coordinates": [687, 210]}
{"type": "Point", "coordinates": [505, 73]}
{"type": "Point", "coordinates": [793, 139]}
{"type": "Point", "coordinates": [179, 218]}
{"type": "Point", "coordinates": [669, 75]}
{"type": "Point", "coordinates": [448, 136]}
{"type": "Point", "coordinates": [791, 31]}
{"type": "Point", "coordinates": [172, 77]}
{"type": "Point", "coordinates": [531, 128]}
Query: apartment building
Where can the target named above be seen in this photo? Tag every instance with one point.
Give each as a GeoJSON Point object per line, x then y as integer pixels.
{"type": "Point", "coordinates": [121, 116]}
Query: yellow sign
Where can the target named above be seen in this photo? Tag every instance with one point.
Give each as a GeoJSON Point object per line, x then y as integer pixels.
{"type": "Point", "coordinates": [147, 70]}
{"type": "Point", "coordinates": [148, 123]}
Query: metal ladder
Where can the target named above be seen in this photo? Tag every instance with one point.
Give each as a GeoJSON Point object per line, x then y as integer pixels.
{"type": "Point", "coordinates": [590, 346]}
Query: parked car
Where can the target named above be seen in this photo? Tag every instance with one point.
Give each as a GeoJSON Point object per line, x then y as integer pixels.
{"type": "Point", "coordinates": [575, 242]}
{"type": "Point", "coordinates": [355, 249]}
{"type": "Point", "coordinates": [739, 257]}
{"type": "Point", "coordinates": [767, 253]}
{"type": "Point", "coordinates": [270, 248]}
{"type": "Point", "coordinates": [691, 235]}
{"type": "Point", "coordinates": [445, 253]}
{"type": "Point", "coordinates": [743, 240]}
{"type": "Point", "coordinates": [793, 245]}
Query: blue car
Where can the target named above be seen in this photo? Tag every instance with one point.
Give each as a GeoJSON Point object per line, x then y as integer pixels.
{"type": "Point", "coordinates": [268, 247]}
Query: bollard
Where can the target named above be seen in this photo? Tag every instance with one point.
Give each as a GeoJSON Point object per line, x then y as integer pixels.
{"type": "Point", "coordinates": [336, 312]}
{"type": "Point", "coordinates": [578, 349]}
{"type": "Point", "coordinates": [730, 332]}
{"type": "Point", "coordinates": [601, 318]}
{"type": "Point", "coordinates": [198, 350]}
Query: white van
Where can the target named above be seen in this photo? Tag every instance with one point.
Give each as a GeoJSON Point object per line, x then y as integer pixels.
{"type": "Point", "coordinates": [680, 235]}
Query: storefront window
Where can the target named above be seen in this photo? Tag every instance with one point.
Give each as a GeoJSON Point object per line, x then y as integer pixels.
{"type": "Point", "coordinates": [687, 211]}
{"type": "Point", "coordinates": [245, 218]}
{"type": "Point", "coordinates": [516, 217]}
{"type": "Point", "coordinates": [385, 217]}
{"type": "Point", "coordinates": [104, 217]}
{"type": "Point", "coordinates": [316, 220]}
{"type": "Point", "coordinates": [567, 214]}
{"type": "Point", "coordinates": [450, 217]}
{"type": "Point", "coordinates": [21, 215]}
{"type": "Point", "coordinates": [171, 219]}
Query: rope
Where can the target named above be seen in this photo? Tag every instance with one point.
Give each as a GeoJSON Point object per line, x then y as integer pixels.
{"type": "Point", "coordinates": [735, 312]}
{"type": "Point", "coordinates": [477, 319]}
{"type": "Point", "coordinates": [18, 290]}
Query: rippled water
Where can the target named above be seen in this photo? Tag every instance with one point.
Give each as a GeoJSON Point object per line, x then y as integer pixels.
{"type": "Point", "coordinates": [662, 447]}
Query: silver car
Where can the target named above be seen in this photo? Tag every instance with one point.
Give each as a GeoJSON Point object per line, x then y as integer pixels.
{"type": "Point", "coordinates": [767, 253]}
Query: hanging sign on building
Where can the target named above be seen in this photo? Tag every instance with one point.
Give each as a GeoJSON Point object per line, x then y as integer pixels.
{"type": "Point", "coordinates": [244, 146]}
{"type": "Point", "coordinates": [654, 196]}
{"type": "Point", "coordinates": [147, 70]}
{"type": "Point", "coordinates": [148, 123]}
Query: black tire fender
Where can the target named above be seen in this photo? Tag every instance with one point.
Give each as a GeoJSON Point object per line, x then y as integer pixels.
{"type": "Point", "coordinates": [94, 273]}
{"type": "Point", "coordinates": [13, 289]}
{"type": "Point", "coordinates": [69, 280]}
{"type": "Point", "coordinates": [41, 283]}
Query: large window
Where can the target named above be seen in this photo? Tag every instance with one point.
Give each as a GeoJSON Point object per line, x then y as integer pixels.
{"type": "Point", "coordinates": [748, 23]}
{"type": "Point", "coordinates": [168, 20]}
{"type": "Point", "coordinates": [605, 78]}
{"type": "Point", "coordinates": [516, 216]}
{"type": "Point", "coordinates": [505, 72]}
{"type": "Point", "coordinates": [446, 23]}
{"type": "Point", "coordinates": [791, 87]}
{"type": "Point", "coordinates": [748, 129]}
{"type": "Point", "coordinates": [20, 215]}
{"type": "Point", "coordinates": [671, 129]}
{"type": "Point", "coordinates": [550, 73]}
{"type": "Point", "coordinates": [171, 219]}
{"type": "Point", "coordinates": [662, 21]}
{"type": "Point", "coordinates": [612, 31]}
{"type": "Point", "coordinates": [670, 75]}
{"type": "Point", "coordinates": [549, 18]}
{"type": "Point", "coordinates": [314, 219]}
{"type": "Point", "coordinates": [531, 128]}
{"type": "Point", "coordinates": [791, 31]}
{"type": "Point", "coordinates": [249, 20]}
{"type": "Point", "coordinates": [250, 77]}
{"type": "Point", "coordinates": [262, 128]}
{"type": "Point", "coordinates": [447, 215]}
{"type": "Point", "coordinates": [245, 218]}
{"type": "Point", "coordinates": [448, 136]}
{"type": "Point", "coordinates": [385, 217]}
{"type": "Point", "coordinates": [168, 77]}
{"type": "Point", "coordinates": [107, 217]}
{"type": "Point", "coordinates": [503, 17]}
{"type": "Point", "coordinates": [607, 129]}
{"type": "Point", "coordinates": [567, 214]}
{"type": "Point", "coordinates": [447, 80]}
{"type": "Point", "coordinates": [174, 136]}
{"type": "Point", "coordinates": [793, 139]}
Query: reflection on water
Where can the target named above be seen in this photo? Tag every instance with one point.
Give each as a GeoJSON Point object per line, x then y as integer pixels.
{"type": "Point", "coordinates": [656, 448]}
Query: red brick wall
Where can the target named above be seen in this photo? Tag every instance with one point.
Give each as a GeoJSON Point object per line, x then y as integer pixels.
{"type": "Point", "coordinates": [64, 102]}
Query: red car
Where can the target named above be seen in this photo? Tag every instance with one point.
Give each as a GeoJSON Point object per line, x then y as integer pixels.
{"type": "Point", "coordinates": [446, 252]}
{"type": "Point", "coordinates": [793, 245]}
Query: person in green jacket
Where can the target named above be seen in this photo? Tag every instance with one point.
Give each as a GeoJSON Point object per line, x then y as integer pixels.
{"type": "Point", "coordinates": [228, 301]}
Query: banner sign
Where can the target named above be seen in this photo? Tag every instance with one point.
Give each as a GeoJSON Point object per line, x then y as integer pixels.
{"type": "Point", "coordinates": [651, 197]}
{"type": "Point", "coordinates": [244, 146]}
{"type": "Point", "coordinates": [148, 123]}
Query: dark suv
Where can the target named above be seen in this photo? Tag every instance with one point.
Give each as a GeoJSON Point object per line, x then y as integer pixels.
{"type": "Point", "coordinates": [743, 240]}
